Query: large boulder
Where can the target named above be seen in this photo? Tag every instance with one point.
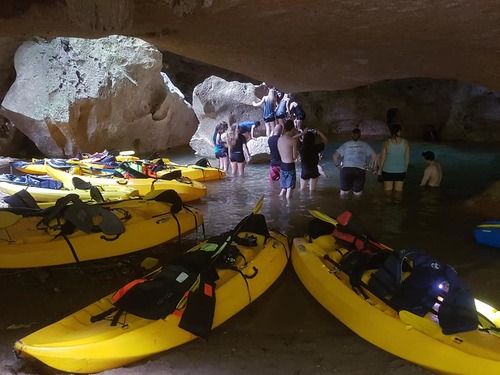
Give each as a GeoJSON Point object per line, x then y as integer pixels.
{"type": "Point", "coordinates": [86, 95]}
{"type": "Point", "coordinates": [216, 100]}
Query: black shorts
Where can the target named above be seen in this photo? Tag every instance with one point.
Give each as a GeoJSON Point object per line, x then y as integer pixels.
{"type": "Point", "coordinates": [352, 179]}
{"type": "Point", "coordinates": [237, 157]}
{"type": "Point", "coordinates": [393, 176]}
{"type": "Point", "coordinates": [222, 153]}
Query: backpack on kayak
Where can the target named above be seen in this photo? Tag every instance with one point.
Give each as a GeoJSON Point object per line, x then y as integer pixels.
{"type": "Point", "coordinates": [414, 281]}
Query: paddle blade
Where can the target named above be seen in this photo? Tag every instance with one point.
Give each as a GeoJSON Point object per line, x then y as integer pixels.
{"type": "Point", "coordinates": [258, 206]}
{"type": "Point", "coordinates": [320, 215]}
{"type": "Point", "coordinates": [198, 316]}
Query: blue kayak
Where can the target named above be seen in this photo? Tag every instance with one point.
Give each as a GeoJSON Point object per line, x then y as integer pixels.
{"type": "Point", "coordinates": [488, 233]}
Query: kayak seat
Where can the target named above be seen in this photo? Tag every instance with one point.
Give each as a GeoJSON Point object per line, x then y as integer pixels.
{"type": "Point", "coordinates": [21, 199]}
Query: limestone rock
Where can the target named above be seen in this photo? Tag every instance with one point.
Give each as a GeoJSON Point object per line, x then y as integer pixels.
{"type": "Point", "coordinates": [299, 45]}
{"type": "Point", "coordinates": [216, 100]}
{"type": "Point", "coordinates": [75, 95]}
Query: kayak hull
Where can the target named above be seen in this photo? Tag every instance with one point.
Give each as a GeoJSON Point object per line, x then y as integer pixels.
{"type": "Point", "coordinates": [488, 234]}
{"type": "Point", "coordinates": [75, 345]}
{"type": "Point", "coordinates": [147, 223]}
{"type": "Point", "coordinates": [418, 340]}
{"type": "Point", "coordinates": [187, 189]}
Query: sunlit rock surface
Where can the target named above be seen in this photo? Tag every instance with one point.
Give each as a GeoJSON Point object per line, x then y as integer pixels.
{"type": "Point", "coordinates": [75, 95]}
{"type": "Point", "coordinates": [216, 100]}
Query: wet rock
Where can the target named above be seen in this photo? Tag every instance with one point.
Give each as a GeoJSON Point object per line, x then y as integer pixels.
{"type": "Point", "coordinates": [85, 95]}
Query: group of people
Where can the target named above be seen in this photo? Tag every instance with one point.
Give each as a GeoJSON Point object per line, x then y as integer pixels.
{"type": "Point", "coordinates": [278, 107]}
{"type": "Point", "coordinates": [286, 145]}
{"type": "Point", "coordinates": [290, 140]}
{"type": "Point", "coordinates": [355, 157]}
{"type": "Point", "coordinates": [230, 146]}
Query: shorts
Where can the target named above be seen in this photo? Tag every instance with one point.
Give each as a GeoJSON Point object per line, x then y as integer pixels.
{"type": "Point", "coordinates": [288, 178]}
{"type": "Point", "coordinates": [222, 153]}
{"type": "Point", "coordinates": [274, 173]}
{"type": "Point", "coordinates": [270, 118]}
{"type": "Point", "coordinates": [301, 118]}
{"type": "Point", "coordinates": [393, 176]}
{"type": "Point", "coordinates": [352, 178]}
{"type": "Point", "coordinates": [308, 173]}
{"type": "Point", "coordinates": [237, 157]}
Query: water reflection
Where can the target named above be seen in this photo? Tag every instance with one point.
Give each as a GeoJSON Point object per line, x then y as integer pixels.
{"type": "Point", "coordinates": [431, 219]}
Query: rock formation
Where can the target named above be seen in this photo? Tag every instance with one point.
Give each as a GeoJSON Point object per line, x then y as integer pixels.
{"type": "Point", "coordinates": [217, 100]}
{"type": "Point", "coordinates": [75, 95]}
{"type": "Point", "coordinates": [295, 45]}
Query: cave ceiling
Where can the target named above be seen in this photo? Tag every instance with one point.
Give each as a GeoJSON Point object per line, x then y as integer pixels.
{"type": "Point", "coordinates": [295, 45]}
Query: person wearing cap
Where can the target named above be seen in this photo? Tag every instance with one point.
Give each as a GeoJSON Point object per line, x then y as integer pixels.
{"type": "Point", "coordinates": [433, 173]}
{"type": "Point", "coordinates": [355, 156]}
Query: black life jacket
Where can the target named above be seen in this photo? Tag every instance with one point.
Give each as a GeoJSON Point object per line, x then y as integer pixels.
{"type": "Point", "coordinates": [414, 281]}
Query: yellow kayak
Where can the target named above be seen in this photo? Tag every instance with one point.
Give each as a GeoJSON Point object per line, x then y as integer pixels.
{"type": "Point", "coordinates": [319, 264]}
{"type": "Point", "coordinates": [75, 344]}
{"type": "Point", "coordinates": [191, 171]}
{"type": "Point", "coordinates": [86, 232]}
{"type": "Point", "coordinates": [36, 166]}
{"type": "Point", "coordinates": [109, 193]}
{"type": "Point", "coordinates": [187, 189]}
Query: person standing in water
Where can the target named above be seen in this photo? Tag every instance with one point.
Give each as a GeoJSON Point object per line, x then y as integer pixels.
{"type": "Point", "coordinates": [269, 102]}
{"type": "Point", "coordinates": [394, 160]}
{"type": "Point", "coordinates": [282, 109]}
{"type": "Point", "coordinates": [355, 155]}
{"type": "Point", "coordinates": [433, 173]}
{"type": "Point", "coordinates": [296, 112]}
{"type": "Point", "coordinates": [220, 145]}
{"type": "Point", "coordinates": [309, 158]}
{"type": "Point", "coordinates": [288, 149]}
{"type": "Point", "coordinates": [238, 150]}
{"type": "Point", "coordinates": [275, 165]}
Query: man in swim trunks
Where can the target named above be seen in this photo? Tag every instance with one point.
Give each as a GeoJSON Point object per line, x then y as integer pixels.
{"type": "Point", "coordinates": [288, 149]}
{"type": "Point", "coordinates": [275, 165]}
{"type": "Point", "coordinates": [433, 173]}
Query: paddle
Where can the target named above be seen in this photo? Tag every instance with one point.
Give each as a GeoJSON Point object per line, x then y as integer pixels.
{"type": "Point", "coordinates": [197, 317]}
{"type": "Point", "coordinates": [343, 221]}
{"type": "Point", "coordinates": [324, 255]}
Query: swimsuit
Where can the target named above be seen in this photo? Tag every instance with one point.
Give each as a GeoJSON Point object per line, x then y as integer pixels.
{"type": "Point", "coordinates": [236, 154]}
{"type": "Point", "coordinates": [288, 176]}
{"type": "Point", "coordinates": [220, 149]}
{"type": "Point", "coordinates": [395, 163]}
{"type": "Point", "coordinates": [274, 168]}
{"type": "Point", "coordinates": [309, 161]}
{"type": "Point", "coordinates": [281, 111]}
{"type": "Point", "coordinates": [298, 112]}
{"type": "Point", "coordinates": [269, 115]}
